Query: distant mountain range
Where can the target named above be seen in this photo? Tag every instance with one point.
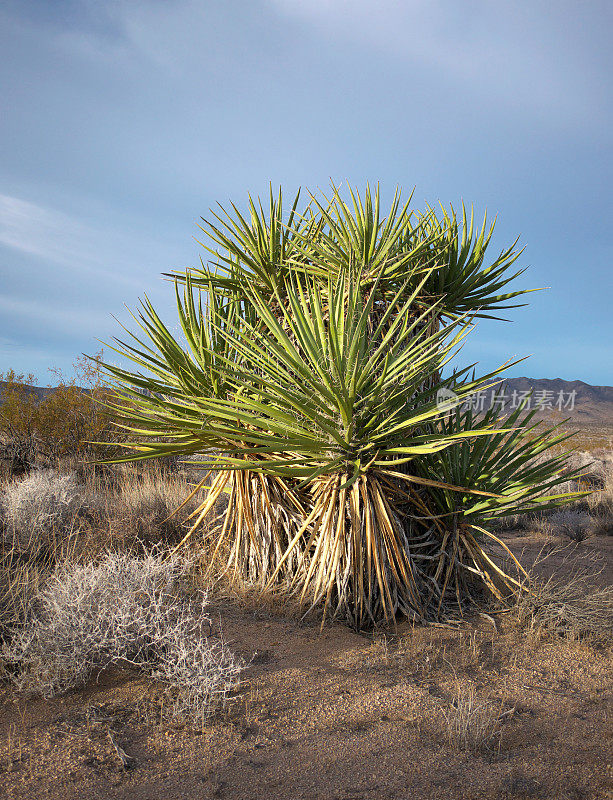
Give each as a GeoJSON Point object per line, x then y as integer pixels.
{"type": "Point", "coordinates": [553, 397]}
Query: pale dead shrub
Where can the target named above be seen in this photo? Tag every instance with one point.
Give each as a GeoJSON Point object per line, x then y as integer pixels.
{"type": "Point", "coordinates": [587, 515]}
{"type": "Point", "coordinates": [39, 506]}
{"type": "Point", "coordinates": [123, 610]}
{"type": "Point", "coordinates": [22, 574]}
{"type": "Point", "coordinates": [600, 503]}
{"type": "Point", "coordinates": [39, 528]}
{"type": "Point", "coordinates": [575, 525]}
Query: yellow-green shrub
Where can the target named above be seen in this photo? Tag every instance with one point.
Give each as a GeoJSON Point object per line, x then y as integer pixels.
{"type": "Point", "coordinates": [63, 422]}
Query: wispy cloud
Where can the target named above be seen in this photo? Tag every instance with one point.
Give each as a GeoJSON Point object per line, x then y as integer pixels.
{"type": "Point", "coordinates": [6, 343]}
{"type": "Point", "coordinates": [55, 236]}
{"type": "Point", "coordinates": [64, 298]}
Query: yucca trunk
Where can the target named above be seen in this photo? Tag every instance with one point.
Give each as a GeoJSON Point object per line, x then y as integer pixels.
{"type": "Point", "coordinates": [362, 554]}
{"type": "Point", "coordinates": [248, 541]}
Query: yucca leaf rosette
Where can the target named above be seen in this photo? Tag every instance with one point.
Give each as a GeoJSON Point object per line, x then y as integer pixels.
{"type": "Point", "coordinates": [313, 356]}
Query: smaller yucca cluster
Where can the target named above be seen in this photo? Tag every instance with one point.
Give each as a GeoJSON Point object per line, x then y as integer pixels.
{"type": "Point", "coordinates": [315, 347]}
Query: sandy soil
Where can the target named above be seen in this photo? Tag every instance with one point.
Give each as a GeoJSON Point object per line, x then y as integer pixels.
{"type": "Point", "coordinates": [337, 716]}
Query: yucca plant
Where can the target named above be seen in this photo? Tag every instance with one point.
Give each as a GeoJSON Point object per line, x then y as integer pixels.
{"type": "Point", "coordinates": [309, 383]}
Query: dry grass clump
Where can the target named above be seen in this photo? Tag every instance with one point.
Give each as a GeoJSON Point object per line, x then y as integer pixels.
{"type": "Point", "coordinates": [139, 504]}
{"type": "Point", "coordinates": [573, 607]}
{"type": "Point", "coordinates": [473, 724]}
{"type": "Point", "coordinates": [123, 610]}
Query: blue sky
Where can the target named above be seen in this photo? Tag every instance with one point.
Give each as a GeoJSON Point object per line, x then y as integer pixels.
{"type": "Point", "coordinates": [124, 122]}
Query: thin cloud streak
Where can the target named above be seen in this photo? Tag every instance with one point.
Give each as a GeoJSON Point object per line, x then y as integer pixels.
{"type": "Point", "coordinates": [56, 237]}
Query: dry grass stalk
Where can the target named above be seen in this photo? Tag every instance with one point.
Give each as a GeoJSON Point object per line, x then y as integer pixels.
{"type": "Point", "coordinates": [572, 607]}
{"type": "Point", "coordinates": [473, 724]}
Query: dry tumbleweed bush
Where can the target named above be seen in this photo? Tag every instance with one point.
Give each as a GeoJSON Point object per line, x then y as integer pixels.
{"type": "Point", "coordinates": [122, 610]}
{"type": "Point", "coordinates": [39, 528]}
{"type": "Point", "coordinates": [40, 505]}
{"type": "Point", "coordinates": [576, 525]}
